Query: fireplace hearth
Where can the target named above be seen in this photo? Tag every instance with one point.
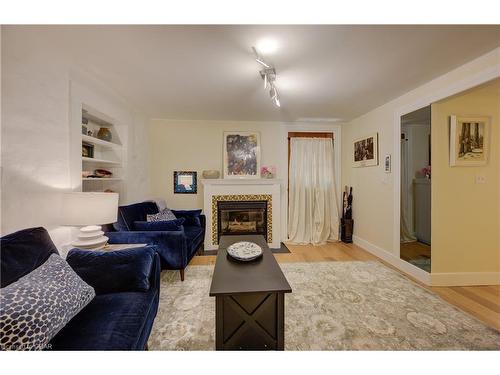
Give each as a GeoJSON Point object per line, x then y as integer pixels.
{"type": "Point", "coordinates": [241, 217]}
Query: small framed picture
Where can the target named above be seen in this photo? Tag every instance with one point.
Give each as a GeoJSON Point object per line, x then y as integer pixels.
{"type": "Point", "coordinates": [387, 163]}
{"type": "Point", "coordinates": [185, 182]}
{"type": "Point", "coordinates": [87, 150]}
{"type": "Point", "coordinates": [469, 140]}
{"type": "Point", "coordinates": [365, 151]}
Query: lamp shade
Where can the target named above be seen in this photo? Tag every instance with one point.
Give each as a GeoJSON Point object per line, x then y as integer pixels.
{"type": "Point", "coordinates": [89, 208]}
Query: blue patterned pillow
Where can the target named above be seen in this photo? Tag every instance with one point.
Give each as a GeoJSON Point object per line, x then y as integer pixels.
{"type": "Point", "coordinates": [163, 215]}
{"type": "Point", "coordinates": [37, 306]}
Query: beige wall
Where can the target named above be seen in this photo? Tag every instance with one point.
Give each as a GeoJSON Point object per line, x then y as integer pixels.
{"type": "Point", "coordinates": [374, 190]}
{"type": "Point", "coordinates": [465, 215]}
{"type": "Point", "coordinates": [197, 146]}
{"type": "Point", "coordinates": [35, 134]}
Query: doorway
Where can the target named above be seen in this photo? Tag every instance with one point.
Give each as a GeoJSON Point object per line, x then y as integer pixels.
{"type": "Point", "coordinates": [415, 220]}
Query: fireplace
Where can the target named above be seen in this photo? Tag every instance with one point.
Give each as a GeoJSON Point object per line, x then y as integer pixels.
{"type": "Point", "coordinates": [260, 196]}
{"type": "Point", "coordinates": [242, 217]}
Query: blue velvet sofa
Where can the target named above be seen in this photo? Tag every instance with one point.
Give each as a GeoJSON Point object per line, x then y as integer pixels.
{"type": "Point", "coordinates": [126, 282]}
{"type": "Point", "coordinates": [175, 247]}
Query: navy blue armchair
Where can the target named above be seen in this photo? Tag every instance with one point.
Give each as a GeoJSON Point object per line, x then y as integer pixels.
{"type": "Point", "coordinates": [175, 247]}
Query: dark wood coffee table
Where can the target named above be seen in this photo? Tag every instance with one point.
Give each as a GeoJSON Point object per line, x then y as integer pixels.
{"type": "Point", "coordinates": [249, 299]}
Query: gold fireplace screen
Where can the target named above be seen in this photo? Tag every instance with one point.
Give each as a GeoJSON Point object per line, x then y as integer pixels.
{"type": "Point", "coordinates": [245, 197]}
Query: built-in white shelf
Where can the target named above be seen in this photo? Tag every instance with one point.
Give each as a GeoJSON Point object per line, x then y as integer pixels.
{"type": "Point", "coordinates": [111, 155]}
{"type": "Point", "coordinates": [100, 161]}
{"type": "Point", "coordinates": [101, 179]}
{"type": "Point", "coordinates": [99, 142]}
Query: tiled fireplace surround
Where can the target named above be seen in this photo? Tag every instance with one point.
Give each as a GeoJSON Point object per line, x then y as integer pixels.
{"type": "Point", "coordinates": [242, 190]}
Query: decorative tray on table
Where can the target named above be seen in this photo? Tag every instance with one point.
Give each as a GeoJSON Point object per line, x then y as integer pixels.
{"type": "Point", "coordinates": [244, 251]}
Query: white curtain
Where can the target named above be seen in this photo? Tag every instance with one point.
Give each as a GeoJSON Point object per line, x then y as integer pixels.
{"type": "Point", "coordinates": [313, 210]}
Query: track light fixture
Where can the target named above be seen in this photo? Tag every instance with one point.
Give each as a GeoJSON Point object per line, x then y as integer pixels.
{"type": "Point", "coordinates": [268, 74]}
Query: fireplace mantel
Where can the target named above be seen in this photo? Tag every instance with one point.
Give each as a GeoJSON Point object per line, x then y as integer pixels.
{"type": "Point", "coordinates": [241, 181]}
{"type": "Point", "coordinates": [236, 189]}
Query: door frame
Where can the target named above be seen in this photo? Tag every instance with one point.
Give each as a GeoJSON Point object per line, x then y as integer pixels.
{"type": "Point", "coordinates": [451, 88]}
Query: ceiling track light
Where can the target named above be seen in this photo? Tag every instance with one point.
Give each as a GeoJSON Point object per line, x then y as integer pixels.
{"type": "Point", "coordinates": [269, 76]}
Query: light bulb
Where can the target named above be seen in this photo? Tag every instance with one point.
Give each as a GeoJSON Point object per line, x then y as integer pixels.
{"type": "Point", "coordinates": [267, 45]}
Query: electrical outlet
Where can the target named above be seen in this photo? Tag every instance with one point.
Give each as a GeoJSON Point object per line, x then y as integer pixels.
{"type": "Point", "coordinates": [480, 179]}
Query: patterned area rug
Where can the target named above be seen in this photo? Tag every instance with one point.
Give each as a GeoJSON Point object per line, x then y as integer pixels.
{"type": "Point", "coordinates": [334, 306]}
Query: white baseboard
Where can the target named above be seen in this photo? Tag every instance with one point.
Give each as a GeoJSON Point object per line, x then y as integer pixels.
{"type": "Point", "coordinates": [465, 278]}
{"type": "Point", "coordinates": [390, 258]}
{"type": "Point", "coordinates": [431, 279]}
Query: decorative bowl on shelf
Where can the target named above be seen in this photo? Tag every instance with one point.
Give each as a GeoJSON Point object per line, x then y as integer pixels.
{"type": "Point", "coordinates": [103, 173]}
{"type": "Point", "coordinates": [104, 134]}
{"type": "Point", "coordinates": [211, 174]}
{"type": "Point", "coordinates": [244, 251]}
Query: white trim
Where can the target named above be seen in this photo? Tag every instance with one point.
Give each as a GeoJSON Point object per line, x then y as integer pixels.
{"type": "Point", "coordinates": [390, 258]}
{"type": "Point", "coordinates": [465, 278]}
{"type": "Point", "coordinates": [450, 89]}
{"type": "Point", "coordinates": [243, 181]}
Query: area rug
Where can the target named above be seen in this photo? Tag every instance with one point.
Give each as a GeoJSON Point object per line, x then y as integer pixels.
{"type": "Point", "coordinates": [334, 306]}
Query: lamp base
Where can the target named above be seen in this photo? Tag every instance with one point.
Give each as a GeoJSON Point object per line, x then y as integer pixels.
{"type": "Point", "coordinates": [91, 238]}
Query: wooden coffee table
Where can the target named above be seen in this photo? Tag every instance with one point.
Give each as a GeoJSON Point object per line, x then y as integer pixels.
{"type": "Point", "coordinates": [249, 299]}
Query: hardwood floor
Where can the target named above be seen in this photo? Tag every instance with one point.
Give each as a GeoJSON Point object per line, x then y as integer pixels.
{"type": "Point", "coordinates": [482, 302]}
{"type": "Point", "coordinates": [415, 250]}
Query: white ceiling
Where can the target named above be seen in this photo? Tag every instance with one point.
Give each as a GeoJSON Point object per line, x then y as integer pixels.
{"type": "Point", "coordinates": [208, 72]}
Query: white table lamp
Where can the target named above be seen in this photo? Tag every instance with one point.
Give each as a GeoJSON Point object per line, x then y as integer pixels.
{"type": "Point", "coordinates": [90, 210]}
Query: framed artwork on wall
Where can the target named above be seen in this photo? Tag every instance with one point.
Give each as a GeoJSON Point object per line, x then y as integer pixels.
{"type": "Point", "coordinates": [469, 139]}
{"type": "Point", "coordinates": [185, 182]}
{"type": "Point", "coordinates": [241, 154]}
{"type": "Point", "coordinates": [365, 151]}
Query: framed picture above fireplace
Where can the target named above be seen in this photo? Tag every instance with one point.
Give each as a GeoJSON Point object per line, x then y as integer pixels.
{"type": "Point", "coordinates": [241, 154]}
{"type": "Point", "coordinates": [185, 182]}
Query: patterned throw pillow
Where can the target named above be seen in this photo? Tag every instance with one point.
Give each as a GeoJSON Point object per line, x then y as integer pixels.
{"type": "Point", "coordinates": [169, 225]}
{"type": "Point", "coordinates": [37, 306]}
{"type": "Point", "coordinates": [163, 215]}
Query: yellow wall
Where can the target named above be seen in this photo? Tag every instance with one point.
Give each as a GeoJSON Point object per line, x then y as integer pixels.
{"type": "Point", "coordinates": [465, 215]}
{"type": "Point", "coordinates": [374, 192]}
